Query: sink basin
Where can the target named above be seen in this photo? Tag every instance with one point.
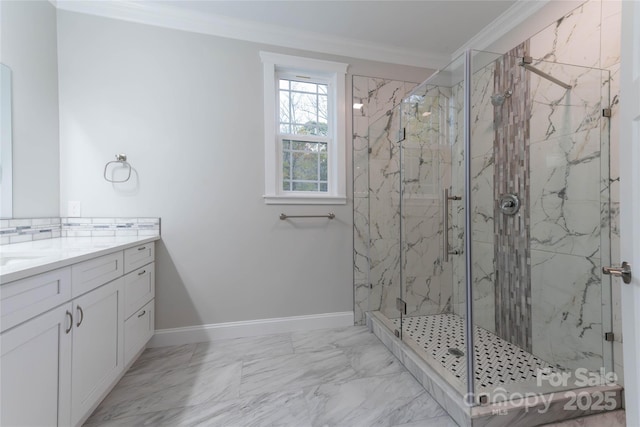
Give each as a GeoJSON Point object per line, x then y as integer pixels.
{"type": "Point", "coordinates": [11, 259]}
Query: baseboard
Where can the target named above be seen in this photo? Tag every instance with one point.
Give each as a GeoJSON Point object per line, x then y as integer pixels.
{"type": "Point", "coordinates": [249, 328]}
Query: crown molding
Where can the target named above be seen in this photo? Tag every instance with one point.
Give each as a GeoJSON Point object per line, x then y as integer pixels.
{"type": "Point", "coordinates": [187, 20]}
{"type": "Point", "coordinates": [519, 12]}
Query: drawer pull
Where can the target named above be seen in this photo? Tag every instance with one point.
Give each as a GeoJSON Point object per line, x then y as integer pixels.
{"type": "Point", "coordinates": [81, 316]}
{"type": "Point", "coordinates": [142, 272]}
{"type": "Point", "coordinates": [142, 248]}
{"type": "Point", "coordinates": [66, 331]}
{"type": "Point", "coordinates": [142, 314]}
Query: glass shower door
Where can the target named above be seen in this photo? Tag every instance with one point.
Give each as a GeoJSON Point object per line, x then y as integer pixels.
{"type": "Point", "coordinates": [540, 302]}
{"type": "Point", "coordinates": [432, 224]}
{"type": "Point", "coordinates": [384, 218]}
{"type": "Point", "coordinates": [426, 175]}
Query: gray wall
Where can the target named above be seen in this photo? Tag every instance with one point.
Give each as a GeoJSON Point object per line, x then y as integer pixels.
{"type": "Point", "coordinates": [29, 48]}
{"type": "Point", "coordinates": [188, 111]}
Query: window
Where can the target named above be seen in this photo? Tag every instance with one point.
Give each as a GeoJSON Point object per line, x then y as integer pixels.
{"type": "Point", "coordinates": [304, 130]}
{"type": "Point", "coordinates": [303, 133]}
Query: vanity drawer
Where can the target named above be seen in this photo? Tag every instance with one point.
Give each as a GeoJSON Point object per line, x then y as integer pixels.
{"type": "Point", "coordinates": [23, 299]}
{"type": "Point", "coordinates": [138, 256]}
{"type": "Point", "coordinates": [88, 275]}
{"type": "Point", "coordinates": [139, 288]}
{"type": "Point", "coordinates": [138, 329]}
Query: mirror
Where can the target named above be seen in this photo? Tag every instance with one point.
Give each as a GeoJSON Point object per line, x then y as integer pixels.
{"type": "Point", "coordinates": [6, 196]}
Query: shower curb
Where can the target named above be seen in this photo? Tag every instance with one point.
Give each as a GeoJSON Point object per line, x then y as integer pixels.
{"type": "Point", "coordinates": [496, 415]}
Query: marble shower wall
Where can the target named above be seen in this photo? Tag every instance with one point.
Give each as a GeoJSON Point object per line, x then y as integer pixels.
{"type": "Point", "coordinates": [376, 183]}
{"type": "Point", "coordinates": [574, 193]}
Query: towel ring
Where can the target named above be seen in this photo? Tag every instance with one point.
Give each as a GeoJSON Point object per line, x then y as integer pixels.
{"type": "Point", "coordinates": [121, 159]}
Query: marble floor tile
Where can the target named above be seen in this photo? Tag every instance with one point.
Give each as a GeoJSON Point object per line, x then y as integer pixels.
{"type": "Point", "coordinates": [225, 351]}
{"type": "Point", "coordinates": [375, 401]}
{"type": "Point", "coordinates": [372, 360]}
{"type": "Point", "coordinates": [162, 358]}
{"type": "Point", "coordinates": [273, 409]}
{"type": "Point", "coordinates": [336, 377]}
{"type": "Point", "coordinates": [293, 372]}
{"type": "Point", "coordinates": [445, 421]}
{"type": "Point", "coordinates": [143, 393]}
{"type": "Point", "coordinates": [325, 339]}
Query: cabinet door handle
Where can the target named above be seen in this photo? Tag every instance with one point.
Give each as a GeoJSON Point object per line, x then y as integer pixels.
{"type": "Point", "coordinates": [142, 314]}
{"type": "Point", "coordinates": [142, 248]}
{"type": "Point", "coordinates": [81, 316]}
{"type": "Point", "coordinates": [142, 272]}
{"type": "Point", "coordinates": [66, 331]}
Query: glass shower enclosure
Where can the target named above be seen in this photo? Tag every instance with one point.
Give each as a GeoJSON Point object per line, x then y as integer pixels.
{"type": "Point", "coordinates": [489, 224]}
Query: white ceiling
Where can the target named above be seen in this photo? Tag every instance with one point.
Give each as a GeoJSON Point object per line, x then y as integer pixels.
{"type": "Point", "coordinates": [435, 27]}
{"type": "Point", "coordinates": [419, 32]}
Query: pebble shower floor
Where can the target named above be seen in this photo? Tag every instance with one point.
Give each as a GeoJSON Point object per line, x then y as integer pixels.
{"type": "Point", "coordinates": [496, 361]}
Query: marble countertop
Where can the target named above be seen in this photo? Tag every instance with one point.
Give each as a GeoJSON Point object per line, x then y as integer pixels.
{"type": "Point", "coordinates": [20, 260]}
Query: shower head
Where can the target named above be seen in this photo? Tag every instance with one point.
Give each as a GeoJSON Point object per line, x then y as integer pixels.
{"type": "Point", "coordinates": [498, 99]}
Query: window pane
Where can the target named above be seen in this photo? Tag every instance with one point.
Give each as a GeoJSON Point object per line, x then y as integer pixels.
{"type": "Point", "coordinates": [304, 166]}
{"type": "Point", "coordinates": [323, 115]}
{"type": "Point", "coordinates": [286, 170]}
{"type": "Point", "coordinates": [323, 187]}
{"type": "Point", "coordinates": [304, 86]}
{"type": "Point", "coordinates": [323, 166]}
{"type": "Point", "coordinates": [285, 128]}
{"type": "Point", "coordinates": [304, 109]}
{"type": "Point", "coordinates": [286, 185]}
{"type": "Point", "coordinates": [306, 129]}
{"type": "Point", "coordinates": [305, 186]}
{"type": "Point", "coordinates": [303, 145]}
{"type": "Point", "coordinates": [284, 107]}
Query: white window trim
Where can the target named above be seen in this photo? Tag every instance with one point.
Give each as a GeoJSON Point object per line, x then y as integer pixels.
{"type": "Point", "coordinates": [335, 72]}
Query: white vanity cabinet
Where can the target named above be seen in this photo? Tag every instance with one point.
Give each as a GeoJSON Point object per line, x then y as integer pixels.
{"type": "Point", "coordinates": [61, 358]}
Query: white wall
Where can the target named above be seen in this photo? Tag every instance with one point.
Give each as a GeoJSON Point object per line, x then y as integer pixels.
{"type": "Point", "coordinates": [29, 48]}
{"type": "Point", "coordinates": [187, 110]}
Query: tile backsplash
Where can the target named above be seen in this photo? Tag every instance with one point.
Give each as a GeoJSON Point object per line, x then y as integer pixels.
{"type": "Point", "coordinates": [28, 229]}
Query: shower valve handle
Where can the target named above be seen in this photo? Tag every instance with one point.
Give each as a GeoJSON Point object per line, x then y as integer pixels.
{"type": "Point", "coordinates": [623, 271]}
{"type": "Point", "coordinates": [509, 204]}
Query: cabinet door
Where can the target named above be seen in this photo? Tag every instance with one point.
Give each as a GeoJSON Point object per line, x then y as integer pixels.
{"type": "Point", "coordinates": [138, 330]}
{"type": "Point", "coordinates": [97, 346]}
{"type": "Point", "coordinates": [36, 371]}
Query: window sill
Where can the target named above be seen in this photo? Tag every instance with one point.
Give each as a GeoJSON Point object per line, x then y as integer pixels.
{"type": "Point", "coordinates": [304, 200]}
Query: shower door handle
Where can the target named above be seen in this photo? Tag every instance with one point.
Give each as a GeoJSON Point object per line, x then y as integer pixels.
{"type": "Point", "coordinates": [445, 223]}
{"type": "Point", "coordinates": [623, 271]}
